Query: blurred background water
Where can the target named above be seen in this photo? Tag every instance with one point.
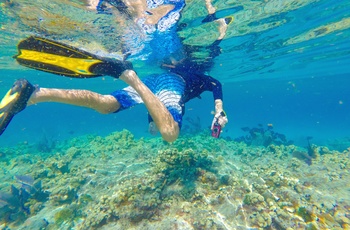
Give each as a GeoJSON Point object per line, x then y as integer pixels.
{"type": "Point", "coordinates": [284, 63]}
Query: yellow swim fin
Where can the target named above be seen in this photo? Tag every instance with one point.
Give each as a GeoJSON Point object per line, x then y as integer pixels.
{"type": "Point", "coordinates": [58, 58]}
{"type": "Point", "coordinates": [14, 102]}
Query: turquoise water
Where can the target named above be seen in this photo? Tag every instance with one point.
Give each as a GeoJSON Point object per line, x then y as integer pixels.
{"type": "Point", "coordinates": [300, 88]}
{"type": "Point", "coordinates": [312, 108]}
{"type": "Point", "coordinates": [283, 63]}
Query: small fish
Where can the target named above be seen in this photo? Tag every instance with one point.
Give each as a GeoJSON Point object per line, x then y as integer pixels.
{"type": "Point", "coordinates": [28, 180]}
{"type": "Point", "coordinates": [28, 184]}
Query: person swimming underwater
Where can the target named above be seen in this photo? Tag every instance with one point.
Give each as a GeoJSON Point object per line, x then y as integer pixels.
{"type": "Point", "coordinates": [164, 95]}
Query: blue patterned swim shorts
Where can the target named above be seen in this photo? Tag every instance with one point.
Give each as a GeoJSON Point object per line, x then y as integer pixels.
{"type": "Point", "coordinates": [168, 88]}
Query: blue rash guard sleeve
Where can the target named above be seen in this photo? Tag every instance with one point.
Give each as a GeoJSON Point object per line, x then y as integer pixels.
{"type": "Point", "coordinates": [216, 88]}
{"type": "Point", "coordinates": [196, 84]}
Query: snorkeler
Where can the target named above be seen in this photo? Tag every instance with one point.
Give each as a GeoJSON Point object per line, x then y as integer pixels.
{"type": "Point", "coordinates": [164, 95]}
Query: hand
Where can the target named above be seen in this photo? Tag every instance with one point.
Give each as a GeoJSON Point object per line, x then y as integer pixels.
{"type": "Point", "coordinates": [221, 118]}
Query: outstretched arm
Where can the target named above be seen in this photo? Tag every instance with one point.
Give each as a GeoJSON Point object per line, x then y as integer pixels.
{"type": "Point", "coordinates": [220, 115]}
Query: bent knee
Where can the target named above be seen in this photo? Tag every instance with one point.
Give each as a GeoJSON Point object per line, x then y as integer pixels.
{"type": "Point", "coordinates": [108, 105]}
{"type": "Point", "coordinates": [170, 134]}
{"type": "Point", "coordinates": [170, 137]}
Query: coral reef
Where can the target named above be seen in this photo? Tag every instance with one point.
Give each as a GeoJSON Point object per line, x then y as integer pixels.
{"type": "Point", "coordinates": [118, 182]}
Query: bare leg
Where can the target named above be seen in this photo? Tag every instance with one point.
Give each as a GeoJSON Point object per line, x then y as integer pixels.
{"type": "Point", "coordinates": [165, 122]}
{"type": "Point", "coordinates": [101, 103]}
{"type": "Point", "coordinates": [168, 128]}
